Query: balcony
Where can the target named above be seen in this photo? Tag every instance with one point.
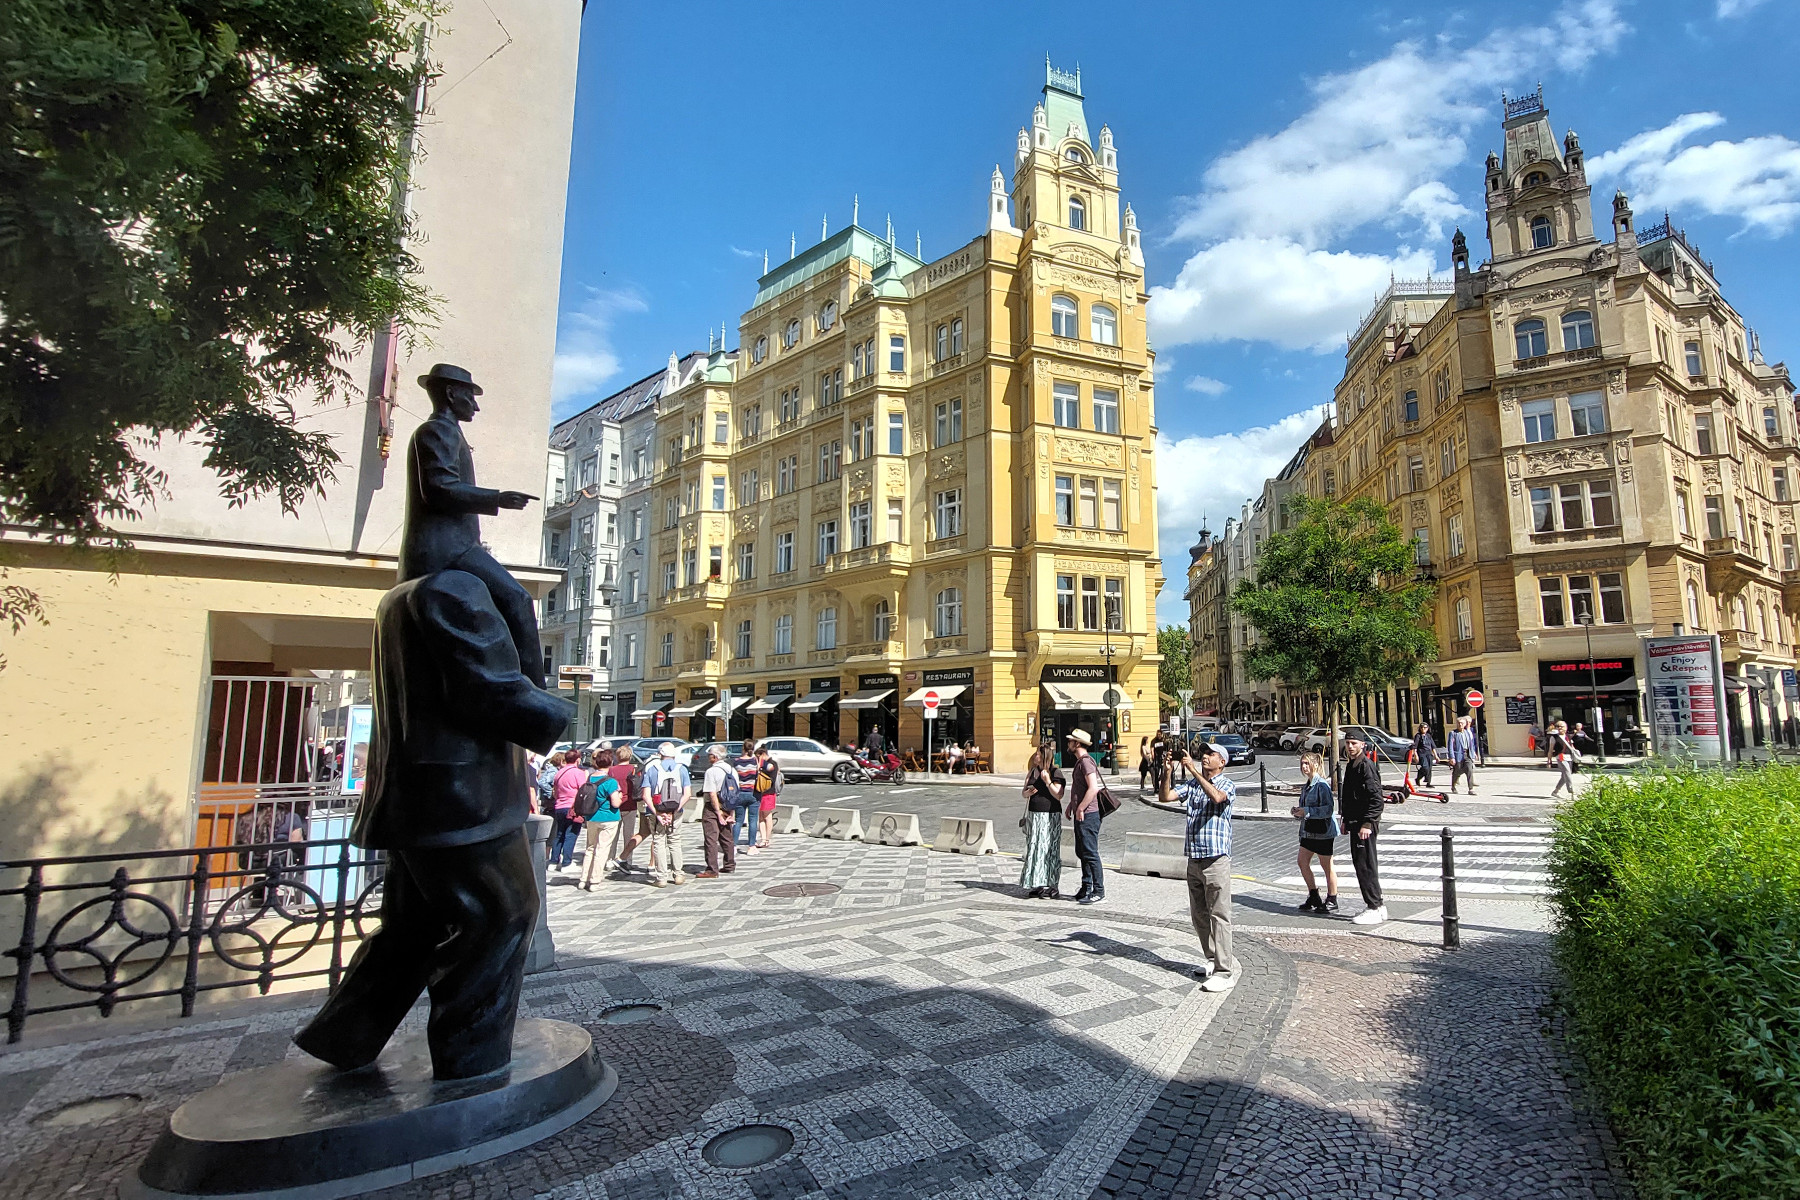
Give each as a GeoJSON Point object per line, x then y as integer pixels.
{"type": "Point", "coordinates": [1730, 564]}
{"type": "Point", "coordinates": [860, 385]}
{"type": "Point", "coordinates": [709, 591]}
{"type": "Point", "coordinates": [749, 439]}
{"type": "Point", "coordinates": [1538, 362]}
{"type": "Point", "coordinates": [946, 645]}
{"type": "Point", "coordinates": [892, 650]}
{"type": "Point", "coordinates": [827, 412]}
{"type": "Point", "coordinates": [823, 658]}
{"type": "Point", "coordinates": [942, 365]}
{"type": "Point", "coordinates": [882, 554]}
{"type": "Point", "coordinates": [1741, 640]}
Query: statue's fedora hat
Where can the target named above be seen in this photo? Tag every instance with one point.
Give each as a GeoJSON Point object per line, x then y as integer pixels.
{"type": "Point", "coordinates": [449, 374]}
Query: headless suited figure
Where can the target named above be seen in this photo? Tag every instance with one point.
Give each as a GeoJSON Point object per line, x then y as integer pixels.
{"type": "Point", "coordinates": [444, 509]}
{"type": "Point", "coordinates": [448, 787]}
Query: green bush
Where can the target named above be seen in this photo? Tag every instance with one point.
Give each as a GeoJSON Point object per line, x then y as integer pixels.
{"type": "Point", "coordinates": [1678, 906]}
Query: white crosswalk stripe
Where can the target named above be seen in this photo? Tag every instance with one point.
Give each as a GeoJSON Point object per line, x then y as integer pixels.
{"type": "Point", "coordinates": [1490, 860]}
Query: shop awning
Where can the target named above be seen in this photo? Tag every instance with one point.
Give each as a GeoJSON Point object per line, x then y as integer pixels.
{"type": "Point", "coordinates": [1085, 697]}
{"type": "Point", "coordinates": [693, 708]}
{"type": "Point", "coordinates": [866, 698]}
{"type": "Point", "coordinates": [812, 702]}
{"type": "Point", "coordinates": [769, 703]}
{"type": "Point", "coordinates": [945, 691]}
{"type": "Point", "coordinates": [644, 714]}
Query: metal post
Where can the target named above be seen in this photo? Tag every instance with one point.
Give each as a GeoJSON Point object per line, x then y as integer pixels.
{"type": "Point", "coordinates": [1262, 777]}
{"type": "Point", "coordinates": [27, 950]}
{"type": "Point", "coordinates": [1452, 921]}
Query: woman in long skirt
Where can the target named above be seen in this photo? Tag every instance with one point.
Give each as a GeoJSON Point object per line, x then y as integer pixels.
{"type": "Point", "coordinates": [1043, 825]}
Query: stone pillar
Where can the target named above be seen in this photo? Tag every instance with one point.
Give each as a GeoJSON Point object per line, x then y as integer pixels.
{"type": "Point", "coordinates": [543, 947]}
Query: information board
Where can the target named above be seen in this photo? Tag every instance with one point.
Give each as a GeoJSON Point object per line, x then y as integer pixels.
{"type": "Point", "coordinates": [1687, 692]}
{"type": "Point", "coordinates": [1521, 710]}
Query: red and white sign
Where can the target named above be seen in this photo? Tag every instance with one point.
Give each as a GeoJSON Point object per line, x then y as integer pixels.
{"type": "Point", "coordinates": [1473, 698]}
{"type": "Point", "coordinates": [930, 701]}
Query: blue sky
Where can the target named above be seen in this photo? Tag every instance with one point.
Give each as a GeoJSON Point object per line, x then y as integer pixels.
{"type": "Point", "coordinates": [1283, 160]}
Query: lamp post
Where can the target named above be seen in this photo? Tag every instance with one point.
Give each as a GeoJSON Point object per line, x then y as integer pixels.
{"type": "Point", "coordinates": [1112, 692]}
{"type": "Point", "coordinates": [1586, 620]}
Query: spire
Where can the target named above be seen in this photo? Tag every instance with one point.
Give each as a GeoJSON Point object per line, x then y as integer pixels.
{"type": "Point", "coordinates": [919, 245]}
{"type": "Point", "coordinates": [855, 207]}
{"type": "Point", "coordinates": [765, 262]}
{"type": "Point", "coordinates": [890, 237]}
{"type": "Point", "coordinates": [1134, 245]}
{"type": "Point", "coordinates": [998, 216]}
{"type": "Point", "coordinates": [793, 246]}
{"type": "Point", "coordinates": [824, 225]}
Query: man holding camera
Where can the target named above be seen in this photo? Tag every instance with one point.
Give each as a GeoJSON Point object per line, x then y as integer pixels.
{"type": "Point", "coordinates": [1362, 801]}
{"type": "Point", "coordinates": [1208, 801]}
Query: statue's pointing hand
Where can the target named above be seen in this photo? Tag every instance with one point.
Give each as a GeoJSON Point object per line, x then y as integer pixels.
{"type": "Point", "coordinates": [515, 499]}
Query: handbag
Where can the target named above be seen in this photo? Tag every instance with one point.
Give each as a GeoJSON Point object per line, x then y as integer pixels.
{"type": "Point", "coordinates": [1316, 827]}
{"type": "Point", "coordinates": [1109, 803]}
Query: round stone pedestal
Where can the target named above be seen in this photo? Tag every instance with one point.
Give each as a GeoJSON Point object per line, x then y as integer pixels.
{"type": "Point", "coordinates": [301, 1130]}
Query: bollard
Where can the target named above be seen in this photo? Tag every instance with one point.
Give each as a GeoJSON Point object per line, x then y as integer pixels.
{"type": "Point", "coordinates": [1262, 777]}
{"type": "Point", "coordinates": [1452, 922]}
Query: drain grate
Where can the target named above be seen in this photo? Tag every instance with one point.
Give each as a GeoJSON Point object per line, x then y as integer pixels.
{"type": "Point", "coordinates": [748, 1146]}
{"type": "Point", "coordinates": [790, 890]}
{"type": "Point", "coordinates": [626, 1014]}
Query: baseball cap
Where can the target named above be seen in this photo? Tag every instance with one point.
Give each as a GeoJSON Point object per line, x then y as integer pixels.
{"type": "Point", "coordinates": [667, 749]}
{"type": "Point", "coordinates": [1215, 748]}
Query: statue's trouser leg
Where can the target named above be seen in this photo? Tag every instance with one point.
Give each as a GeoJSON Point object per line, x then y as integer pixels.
{"type": "Point", "coordinates": [515, 605]}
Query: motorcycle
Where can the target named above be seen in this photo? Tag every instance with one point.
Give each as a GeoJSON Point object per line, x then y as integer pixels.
{"type": "Point", "coordinates": [888, 770]}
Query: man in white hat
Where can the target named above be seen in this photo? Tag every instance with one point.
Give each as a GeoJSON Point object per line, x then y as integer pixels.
{"type": "Point", "coordinates": [1208, 844]}
{"type": "Point", "coordinates": [667, 786]}
{"type": "Point", "coordinates": [1083, 810]}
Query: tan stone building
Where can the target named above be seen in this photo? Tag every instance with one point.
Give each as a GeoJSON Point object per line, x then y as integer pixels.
{"type": "Point", "coordinates": [921, 476]}
{"type": "Point", "coordinates": [1575, 428]}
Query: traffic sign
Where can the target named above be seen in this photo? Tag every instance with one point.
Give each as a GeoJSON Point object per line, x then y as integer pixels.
{"type": "Point", "coordinates": [573, 671]}
{"type": "Point", "coordinates": [1473, 698]}
{"type": "Point", "coordinates": [930, 701]}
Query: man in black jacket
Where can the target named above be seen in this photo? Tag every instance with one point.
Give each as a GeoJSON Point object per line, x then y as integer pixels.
{"type": "Point", "coordinates": [1361, 801]}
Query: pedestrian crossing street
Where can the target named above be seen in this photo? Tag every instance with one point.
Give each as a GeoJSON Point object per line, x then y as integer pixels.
{"type": "Point", "coordinates": [1490, 859]}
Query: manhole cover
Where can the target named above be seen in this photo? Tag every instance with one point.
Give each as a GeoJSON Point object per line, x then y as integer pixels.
{"type": "Point", "coordinates": [748, 1145]}
{"type": "Point", "coordinates": [787, 890]}
{"type": "Point", "coordinates": [91, 1111]}
{"type": "Point", "coordinates": [625, 1014]}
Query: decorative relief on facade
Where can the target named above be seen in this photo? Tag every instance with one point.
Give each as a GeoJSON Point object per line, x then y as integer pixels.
{"type": "Point", "coordinates": [1088, 454]}
{"type": "Point", "coordinates": [1087, 566]}
{"type": "Point", "coordinates": [1074, 252]}
{"type": "Point", "coordinates": [1098, 537]}
{"type": "Point", "coordinates": [1622, 450]}
{"type": "Point", "coordinates": [1418, 510]}
{"type": "Point", "coordinates": [1615, 382]}
{"type": "Point", "coordinates": [1709, 471]}
{"type": "Point", "coordinates": [1452, 492]}
{"type": "Point", "coordinates": [1611, 562]}
{"type": "Point", "coordinates": [746, 522]}
{"type": "Point", "coordinates": [1084, 280]}
{"type": "Point", "coordinates": [946, 463]}
{"type": "Point", "coordinates": [861, 476]}
{"type": "Point", "coordinates": [784, 511]}
{"type": "Point", "coordinates": [1512, 469]}
{"type": "Point", "coordinates": [1570, 458]}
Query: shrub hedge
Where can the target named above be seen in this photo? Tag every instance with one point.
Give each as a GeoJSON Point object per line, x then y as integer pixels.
{"type": "Point", "coordinates": [1677, 899]}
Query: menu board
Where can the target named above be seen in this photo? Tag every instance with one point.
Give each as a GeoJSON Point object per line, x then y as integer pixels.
{"type": "Point", "coordinates": [1521, 710]}
{"type": "Point", "coordinates": [1687, 717]}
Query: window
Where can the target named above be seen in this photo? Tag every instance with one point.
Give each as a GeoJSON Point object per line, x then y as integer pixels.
{"type": "Point", "coordinates": [1062, 317]}
{"type": "Point", "coordinates": [1065, 602]}
{"type": "Point", "coordinates": [828, 543]}
{"type": "Point", "coordinates": [784, 634]}
{"type": "Point", "coordinates": [831, 460]}
{"type": "Point", "coordinates": [1540, 420]}
{"type": "Point", "coordinates": [1781, 485]}
{"type": "Point", "coordinates": [1065, 499]}
{"type": "Point", "coordinates": [790, 334]}
{"type": "Point", "coordinates": [1703, 439]}
{"type": "Point", "coordinates": [1090, 602]}
{"type": "Point", "coordinates": [943, 343]}
{"type": "Point", "coordinates": [1543, 519]}
{"type": "Point", "coordinates": [956, 336]}
{"type": "Point", "coordinates": [550, 602]}
{"type": "Point", "coordinates": [825, 629]}
{"type": "Point", "coordinates": [948, 426]}
{"type": "Point", "coordinates": [1788, 562]}
{"type": "Point", "coordinates": [1115, 605]}
{"type": "Point", "coordinates": [1077, 213]}
{"type": "Point", "coordinates": [693, 496]}
{"type": "Point", "coordinates": [721, 427]}
{"type": "Point", "coordinates": [588, 467]}
{"type": "Point", "coordinates": [1587, 413]}
{"type": "Point", "coordinates": [631, 586]}
{"type": "Point", "coordinates": [790, 405]}
{"type": "Point", "coordinates": [759, 351]}
{"type": "Point", "coordinates": [1409, 407]}
{"type": "Point", "coordinates": [947, 514]}
{"type": "Point", "coordinates": [1090, 502]}
{"type": "Point", "coordinates": [862, 439]}
{"type": "Point", "coordinates": [690, 565]}
{"type": "Point", "coordinates": [787, 474]}
{"type": "Point", "coordinates": [1112, 510]}
{"type": "Point", "coordinates": [881, 622]}
{"type": "Point", "coordinates": [743, 640]}
{"type": "Point", "coordinates": [1692, 352]}
{"type": "Point", "coordinates": [1542, 236]}
{"type": "Point", "coordinates": [1715, 518]}
{"type": "Point", "coordinates": [1693, 606]}
{"type": "Point", "coordinates": [1572, 512]}
{"type": "Point", "coordinates": [784, 553]}
{"type": "Point", "coordinates": [1578, 330]}
{"type": "Point", "coordinates": [612, 468]}
{"type": "Point", "coordinates": [1771, 425]}
{"type": "Point", "coordinates": [1550, 600]}
{"type": "Point", "coordinates": [631, 650]}
{"type": "Point", "coordinates": [1762, 621]}
{"type": "Point", "coordinates": [896, 353]}
{"type": "Point", "coordinates": [718, 493]}
{"type": "Point", "coordinates": [948, 613]}
{"type": "Point", "coordinates": [1453, 534]}
{"type": "Point", "coordinates": [1422, 547]}
{"type": "Point", "coordinates": [1415, 473]}
{"type": "Point", "coordinates": [1530, 340]}
{"type": "Point", "coordinates": [1103, 325]}
{"type": "Point", "coordinates": [1465, 620]}
{"type": "Point", "coordinates": [584, 532]}
{"type": "Point", "coordinates": [1684, 518]}
{"type": "Point", "coordinates": [859, 361]}
{"type": "Point", "coordinates": [612, 528]}
{"type": "Point", "coordinates": [1106, 411]}
{"type": "Point", "coordinates": [1328, 482]}
{"type": "Point", "coordinates": [749, 484]}
{"type": "Point", "coordinates": [828, 316]}
{"type": "Point", "coordinates": [752, 421]}
{"type": "Point", "coordinates": [746, 561]}
{"type": "Point", "coordinates": [666, 652]}
{"type": "Point", "coordinates": [1446, 458]}
{"type": "Point", "coordinates": [896, 433]}
{"type": "Point", "coordinates": [1065, 405]}
{"type": "Point", "coordinates": [862, 525]}
{"type": "Point", "coordinates": [896, 519]}
{"type": "Point", "coordinates": [640, 462]}
{"type": "Point", "coordinates": [1440, 385]}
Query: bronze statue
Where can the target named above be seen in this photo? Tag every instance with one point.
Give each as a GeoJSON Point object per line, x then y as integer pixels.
{"type": "Point", "coordinates": [457, 702]}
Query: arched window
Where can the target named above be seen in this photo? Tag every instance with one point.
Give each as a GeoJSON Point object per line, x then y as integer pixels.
{"type": "Point", "coordinates": [1103, 325]}
{"type": "Point", "coordinates": [1074, 154]}
{"type": "Point", "coordinates": [828, 315]}
{"type": "Point", "coordinates": [760, 351]}
{"type": "Point", "coordinates": [1531, 339]}
{"type": "Point", "coordinates": [1465, 623]}
{"type": "Point", "coordinates": [1077, 213]}
{"type": "Point", "coordinates": [1693, 604]}
{"type": "Point", "coordinates": [1762, 621]}
{"type": "Point", "coordinates": [881, 621]}
{"type": "Point", "coordinates": [1578, 330]}
{"type": "Point", "coordinates": [956, 336]}
{"type": "Point", "coordinates": [1542, 236]}
{"type": "Point", "coordinates": [1062, 317]}
{"type": "Point", "coordinates": [1536, 179]}
{"type": "Point", "coordinates": [827, 629]}
{"type": "Point", "coordinates": [1742, 614]}
{"type": "Point", "coordinates": [943, 342]}
{"type": "Point", "coordinates": [791, 334]}
{"type": "Point", "coordinates": [949, 613]}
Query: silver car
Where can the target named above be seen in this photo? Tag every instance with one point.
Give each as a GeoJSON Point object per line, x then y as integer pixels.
{"type": "Point", "coordinates": [803, 758]}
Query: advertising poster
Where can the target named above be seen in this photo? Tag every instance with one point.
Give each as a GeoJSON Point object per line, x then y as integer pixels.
{"type": "Point", "coordinates": [1687, 693]}
{"type": "Point", "coordinates": [356, 748]}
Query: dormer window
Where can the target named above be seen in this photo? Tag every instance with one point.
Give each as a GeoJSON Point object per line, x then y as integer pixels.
{"type": "Point", "coordinates": [1536, 179]}
{"type": "Point", "coordinates": [1542, 236]}
{"type": "Point", "coordinates": [1075, 155]}
{"type": "Point", "coordinates": [1077, 213]}
{"type": "Point", "coordinates": [791, 334]}
{"type": "Point", "coordinates": [828, 316]}
{"type": "Point", "coordinates": [759, 351]}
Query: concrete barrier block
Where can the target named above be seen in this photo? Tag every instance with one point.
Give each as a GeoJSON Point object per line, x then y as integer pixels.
{"type": "Point", "coordinates": [1068, 846]}
{"type": "Point", "coordinates": [787, 818]}
{"type": "Point", "coordinates": [695, 806]}
{"type": "Point", "coordinates": [839, 824]}
{"type": "Point", "coordinates": [965, 835]}
{"type": "Point", "coordinates": [893, 829]}
{"type": "Point", "coordinates": [1161, 854]}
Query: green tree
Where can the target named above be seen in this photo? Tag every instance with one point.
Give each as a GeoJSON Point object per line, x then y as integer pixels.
{"type": "Point", "coordinates": [1176, 671]}
{"type": "Point", "coordinates": [1337, 604]}
{"type": "Point", "coordinates": [199, 220]}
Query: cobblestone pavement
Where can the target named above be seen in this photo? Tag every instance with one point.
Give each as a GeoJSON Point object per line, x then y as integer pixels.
{"type": "Point", "coordinates": [924, 1032]}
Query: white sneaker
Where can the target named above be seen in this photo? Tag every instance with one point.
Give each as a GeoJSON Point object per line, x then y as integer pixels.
{"type": "Point", "coordinates": [1370, 916]}
{"type": "Point", "coordinates": [1220, 981]}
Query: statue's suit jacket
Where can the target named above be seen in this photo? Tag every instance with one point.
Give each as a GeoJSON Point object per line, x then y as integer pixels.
{"type": "Point", "coordinates": [452, 711]}
{"type": "Point", "coordinates": [443, 505]}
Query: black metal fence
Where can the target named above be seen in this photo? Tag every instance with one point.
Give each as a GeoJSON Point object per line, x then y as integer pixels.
{"type": "Point", "coordinates": [97, 931]}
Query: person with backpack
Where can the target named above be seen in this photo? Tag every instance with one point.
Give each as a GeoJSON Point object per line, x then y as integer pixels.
{"type": "Point", "coordinates": [546, 783]}
{"type": "Point", "coordinates": [597, 804]}
{"type": "Point", "coordinates": [746, 820]}
{"type": "Point", "coordinates": [568, 781]}
{"type": "Point", "coordinates": [667, 786]}
{"type": "Point", "coordinates": [768, 795]}
{"type": "Point", "coordinates": [633, 815]}
{"type": "Point", "coordinates": [722, 791]}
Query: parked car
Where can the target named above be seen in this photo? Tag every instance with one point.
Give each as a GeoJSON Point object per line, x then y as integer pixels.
{"type": "Point", "coordinates": [803, 758]}
{"type": "Point", "coordinates": [1296, 736]}
{"type": "Point", "coordinates": [1383, 744]}
{"type": "Point", "coordinates": [1268, 736]}
{"type": "Point", "coordinates": [1237, 749]}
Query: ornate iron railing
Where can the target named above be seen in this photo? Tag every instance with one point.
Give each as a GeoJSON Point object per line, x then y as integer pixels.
{"type": "Point", "coordinates": [185, 922]}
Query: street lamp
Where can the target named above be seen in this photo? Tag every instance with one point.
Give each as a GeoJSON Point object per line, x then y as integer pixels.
{"type": "Point", "coordinates": [1586, 621]}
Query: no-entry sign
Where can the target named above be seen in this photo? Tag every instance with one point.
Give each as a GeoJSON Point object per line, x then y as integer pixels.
{"type": "Point", "coordinates": [1473, 698]}
{"type": "Point", "coordinates": [930, 701]}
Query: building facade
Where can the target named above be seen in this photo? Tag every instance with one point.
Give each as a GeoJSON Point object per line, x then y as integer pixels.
{"type": "Point", "coordinates": [921, 477]}
{"type": "Point", "coordinates": [1587, 448]}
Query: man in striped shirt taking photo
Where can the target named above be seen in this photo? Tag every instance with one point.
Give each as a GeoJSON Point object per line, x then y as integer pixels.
{"type": "Point", "coordinates": [1208, 801]}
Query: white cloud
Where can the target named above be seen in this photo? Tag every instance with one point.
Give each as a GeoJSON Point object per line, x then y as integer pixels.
{"type": "Point", "coordinates": [1206, 385]}
{"type": "Point", "coordinates": [1757, 180]}
{"type": "Point", "coordinates": [743, 253]}
{"type": "Point", "coordinates": [1736, 8]}
{"type": "Point", "coordinates": [1213, 475]}
{"type": "Point", "coordinates": [585, 357]}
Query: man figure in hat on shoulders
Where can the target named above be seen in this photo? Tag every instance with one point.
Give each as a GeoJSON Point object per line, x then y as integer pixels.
{"type": "Point", "coordinates": [444, 507]}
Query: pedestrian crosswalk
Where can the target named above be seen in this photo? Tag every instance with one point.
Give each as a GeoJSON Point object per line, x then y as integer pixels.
{"type": "Point", "coordinates": [1490, 859]}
